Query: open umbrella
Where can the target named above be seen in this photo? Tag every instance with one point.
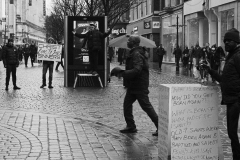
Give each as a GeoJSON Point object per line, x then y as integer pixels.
{"type": "Point", "coordinates": [115, 71]}
{"type": "Point", "coordinates": [121, 42]}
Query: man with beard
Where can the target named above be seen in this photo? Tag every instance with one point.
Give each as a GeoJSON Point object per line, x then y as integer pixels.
{"type": "Point", "coordinates": [136, 78]}
{"type": "Point", "coordinates": [11, 62]}
{"type": "Point", "coordinates": [230, 87]}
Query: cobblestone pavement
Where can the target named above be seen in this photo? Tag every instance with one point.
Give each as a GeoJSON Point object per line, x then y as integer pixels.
{"type": "Point", "coordinates": [82, 123]}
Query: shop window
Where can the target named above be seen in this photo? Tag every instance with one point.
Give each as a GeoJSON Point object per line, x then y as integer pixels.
{"type": "Point", "coordinates": [227, 21]}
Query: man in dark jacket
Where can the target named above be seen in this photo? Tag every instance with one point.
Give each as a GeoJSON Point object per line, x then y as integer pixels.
{"type": "Point", "coordinates": [33, 52]}
{"type": "Point", "coordinates": [230, 87]}
{"type": "Point", "coordinates": [178, 55]}
{"type": "Point", "coordinates": [94, 44]}
{"type": "Point", "coordinates": [160, 52]}
{"type": "Point", "coordinates": [26, 53]}
{"type": "Point", "coordinates": [136, 78]}
{"type": "Point", "coordinates": [11, 62]}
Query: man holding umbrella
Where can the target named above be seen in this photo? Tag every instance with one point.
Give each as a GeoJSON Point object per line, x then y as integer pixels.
{"type": "Point", "coordinates": [136, 77]}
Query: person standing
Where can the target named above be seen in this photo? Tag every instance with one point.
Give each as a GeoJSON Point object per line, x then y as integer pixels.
{"type": "Point", "coordinates": [178, 55]}
{"type": "Point", "coordinates": [33, 52]}
{"type": "Point", "coordinates": [110, 53]}
{"type": "Point", "coordinates": [11, 62]}
{"type": "Point", "coordinates": [47, 65]}
{"type": "Point", "coordinates": [26, 53]}
{"type": "Point", "coordinates": [185, 57]}
{"type": "Point", "coordinates": [136, 78]}
{"type": "Point", "coordinates": [62, 56]}
{"type": "Point", "coordinates": [94, 44]}
{"type": "Point", "coordinates": [160, 52]}
{"type": "Point", "coordinates": [120, 55]}
{"type": "Point", "coordinates": [230, 87]}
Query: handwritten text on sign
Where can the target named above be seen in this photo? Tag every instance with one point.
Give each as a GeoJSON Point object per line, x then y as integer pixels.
{"type": "Point", "coordinates": [49, 52]}
{"type": "Point", "coordinates": [194, 123]}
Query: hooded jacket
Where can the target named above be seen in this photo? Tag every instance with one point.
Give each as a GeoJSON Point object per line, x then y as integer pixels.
{"type": "Point", "coordinates": [136, 75]}
{"type": "Point", "coordinates": [230, 78]}
{"type": "Point", "coordinates": [10, 55]}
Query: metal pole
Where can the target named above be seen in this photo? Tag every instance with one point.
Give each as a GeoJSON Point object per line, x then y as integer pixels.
{"type": "Point", "coordinates": [177, 30]}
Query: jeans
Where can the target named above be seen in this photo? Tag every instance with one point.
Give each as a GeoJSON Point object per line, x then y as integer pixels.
{"type": "Point", "coordinates": [47, 66]}
{"type": "Point", "coordinates": [11, 69]}
{"type": "Point", "coordinates": [233, 111]}
{"type": "Point", "coordinates": [32, 56]}
{"type": "Point", "coordinates": [26, 59]}
{"type": "Point", "coordinates": [143, 100]}
{"type": "Point", "coordinates": [59, 64]}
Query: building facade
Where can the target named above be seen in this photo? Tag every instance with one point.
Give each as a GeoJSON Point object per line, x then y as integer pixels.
{"type": "Point", "coordinates": [171, 34]}
{"type": "Point", "coordinates": [208, 20]}
{"type": "Point", "coordinates": [23, 20]}
{"type": "Point", "coordinates": [145, 21]}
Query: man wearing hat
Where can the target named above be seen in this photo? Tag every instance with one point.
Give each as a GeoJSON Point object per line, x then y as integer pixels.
{"type": "Point", "coordinates": [94, 44]}
{"type": "Point", "coordinates": [230, 87]}
{"type": "Point", "coordinates": [11, 62]}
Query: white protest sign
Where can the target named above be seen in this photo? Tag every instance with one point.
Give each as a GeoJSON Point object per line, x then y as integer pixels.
{"type": "Point", "coordinates": [49, 52]}
{"type": "Point", "coordinates": [192, 122]}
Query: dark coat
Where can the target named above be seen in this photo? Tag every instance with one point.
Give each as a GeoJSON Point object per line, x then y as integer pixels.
{"type": "Point", "coordinates": [177, 52]}
{"type": "Point", "coordinates": [136, 75]}
{"type": "Point", "coordinates": [10, 55]}
{"type": "Point", "coordinates": [26, 50]}
{"type": "Point", "coordinates": [230, 78]}
{"type": "Point", "coordinates": [160, 51]}
{"type": "Point", "coordinates": [33, 49]}
{"type": "Point", "coordinates": [93, 39]}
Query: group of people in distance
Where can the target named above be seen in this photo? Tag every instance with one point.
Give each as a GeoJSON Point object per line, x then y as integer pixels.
{"type": "Point", "coordinates": [194, 57]}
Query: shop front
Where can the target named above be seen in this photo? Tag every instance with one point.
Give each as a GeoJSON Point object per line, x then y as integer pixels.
{"type": "Point", "coordinates": [170, 34]}
{"type": "Point", "coordinates": [149, 28]}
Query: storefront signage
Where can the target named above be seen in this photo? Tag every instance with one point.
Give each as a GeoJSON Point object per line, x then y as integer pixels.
{"type": "Point", "coordinates": [119, 31]}
{"type": "Point", "coordinates": [135, 29]}
{"type": "Point", "coordinates": [156, 24]}
{"type": "Point", "coordinates": [147, 25]}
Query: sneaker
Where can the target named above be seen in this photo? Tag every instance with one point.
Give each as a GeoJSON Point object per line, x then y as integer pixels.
{"type": "Point", "coordinates": [16, 87]}
{"type": "Point", "coordinates": [128, 130]}
{"type": "Point", "coordinates": [42, 86]}
{"type": "Point", "coordinates": [50, 87]}
{"type": "Point", "coordinates": [155, 133]}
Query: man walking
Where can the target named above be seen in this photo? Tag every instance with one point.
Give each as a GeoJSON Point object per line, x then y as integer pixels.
{"type": "Point", "coordinates": [160, 52]}
{"type": "Point", "coordinates": [230, 87]}
{"type": "Point", "coordinates": [11, 62]}
{"type": "Point", "coordinates": [94, 44]}
{"type": "Point", "coordinates": [136, 78]}
{"type": "Point", "coordinates": [33, 52]}
{"type": "Point", "coordinates": [178, 55]}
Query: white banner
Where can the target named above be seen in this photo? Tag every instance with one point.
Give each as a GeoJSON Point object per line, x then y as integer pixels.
{"type": "Point", "coordinates": [49, 52]}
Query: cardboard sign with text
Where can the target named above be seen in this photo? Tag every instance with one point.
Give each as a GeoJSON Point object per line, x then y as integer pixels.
{"type": "Point", "coordinates": [188, 114]}
{"type": "Point", "coordinates": [49, 52]}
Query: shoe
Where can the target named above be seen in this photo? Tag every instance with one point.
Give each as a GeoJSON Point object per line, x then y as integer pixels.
{"type": "Point", "coordinates": [42, 86]}
{"type": "Point", "coordinates": [128, 130]}
{"type": "Point", "coordinates": [16, 87]}
{"type": "Point", "coordinates": [155, 133]}
{"type": "Point", "coordinates": [50, 87]}
{"type": "Point", "coordinates": [6, 88]}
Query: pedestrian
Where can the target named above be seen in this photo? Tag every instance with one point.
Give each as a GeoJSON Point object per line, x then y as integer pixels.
{"type": "Point", "coordinates": [185, 57]}
{"type": "Point", "coordinates": [20, 53]}
{"type": "Point", "coordinates": [120, 55]}
{"type": "Point", "coordinates": [212, 59]}
{"type": "Point", "coordinates": [191, 51]}
{"type": "Point", "coordinates": [62, 56]}
{"type": "Point", "coordinates": [178, 55]}
{"type": "Point", "coordinates": [11, 62]}
{"type": "Point", "coordinates": [110, 53]}
{"type": "Point", "coordinates": [33, 52]}
{"type": "Point", "coordinates": [230, 87]}
{"type": "Point", "coordinates": [1, 47]}
{"type": "Point", "coordinates": [136, 78]}
{"type": "Point", "coordinates": [196, 56]}
{"type": "Point", "coordinates": [160, 52]}
{"type": "Point", "coordinates": [94, 40]}
{"type": "Point", "coordinates": [47, 65]}
{"type": "Point", "coordinates": [26, 53]}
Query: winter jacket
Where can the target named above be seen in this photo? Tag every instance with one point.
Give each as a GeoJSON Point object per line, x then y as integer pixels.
{"type": "Point", "coordinates": [177, 52]}
{"type": "Point", "coordinates": [33, 49]}
{"type": "Point", "coordinates": [136, 75]}
{"type": "Point", "coordinates": [10, 55]}
{"type": "Point", "coordinates": [93, 39]}
{"type": "Point", "coordinates": [230, 78]}
{"type": "Point", "coordinates": [26, 50]}
{"type": "Point", "coordinates": [160, 51]}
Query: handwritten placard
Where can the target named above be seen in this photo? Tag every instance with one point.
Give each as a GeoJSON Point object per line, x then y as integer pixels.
{"type": "Point", "coordinates": [49, 52]}
{"type": "Point", "coordinates": [193, 119]}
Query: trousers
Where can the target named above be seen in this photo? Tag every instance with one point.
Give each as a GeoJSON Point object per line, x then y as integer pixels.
{"type": "Point", "coordinates": [233, 111]}
{"type": "Point", "coordinates": [47, 66]}
{"type": "Point", "coordinates": [143, 100]}
{"type": "Point", "coordinates": [11, 69]}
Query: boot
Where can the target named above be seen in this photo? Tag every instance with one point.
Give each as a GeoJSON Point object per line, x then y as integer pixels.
{"type": "Point", "coordinates": [16, 87]}
{"type": "Point", "coordinates": [6, 88]}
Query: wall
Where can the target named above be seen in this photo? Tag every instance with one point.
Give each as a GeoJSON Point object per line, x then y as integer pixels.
{"type": "Point", "coordinates": [192, 7]}
{"type": "Point", "coordinates": [214, 3]}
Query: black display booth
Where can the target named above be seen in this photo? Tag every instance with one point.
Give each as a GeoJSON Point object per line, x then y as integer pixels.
{"type": "Point", "coordinates": [76, 57]}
